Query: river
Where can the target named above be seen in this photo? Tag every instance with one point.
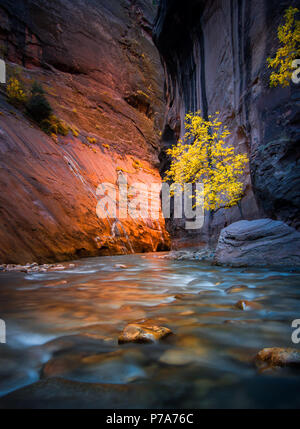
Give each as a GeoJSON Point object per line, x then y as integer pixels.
{"type": "Point", "coordinates": [66, 324]}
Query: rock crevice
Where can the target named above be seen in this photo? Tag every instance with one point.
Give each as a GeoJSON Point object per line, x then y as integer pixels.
{"type": "Point", "coordinates": [215, 59]}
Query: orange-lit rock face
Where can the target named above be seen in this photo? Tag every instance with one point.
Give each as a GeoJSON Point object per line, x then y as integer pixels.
{"type": "Point", "coordinates": [102, 75]}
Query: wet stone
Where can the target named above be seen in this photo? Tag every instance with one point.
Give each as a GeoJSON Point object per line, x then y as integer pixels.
{"type": "Point", "coordinates": [112, 367]}
{"type": "Point", "coordinates": [177, 357]}
{"type": "Point", "coordinates": [144, 332]}
{"type": "Point", "coordinates": [278, 357]}
{"type": "Point", "coordinates": [60, 366]}
{"type": "Point", "coordinates": [248, 305]}
{"type": "Point", "coordinates": [242, 322]}
{"type": "Point", "coordinates": [236, 289]}
{"type": "Point", "coordinates": [31, 268]}
{"type": "Point", "coordinates": [182, 296]}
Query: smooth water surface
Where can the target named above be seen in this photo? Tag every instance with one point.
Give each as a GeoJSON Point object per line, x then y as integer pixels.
{"type": "Point", "coordinates": [66, 324]}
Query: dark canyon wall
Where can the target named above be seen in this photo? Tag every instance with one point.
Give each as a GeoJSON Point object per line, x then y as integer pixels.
{"type": "Point", "coordinates": [103, 76]}
{"type": "Point", "coordinates": [214, 53]}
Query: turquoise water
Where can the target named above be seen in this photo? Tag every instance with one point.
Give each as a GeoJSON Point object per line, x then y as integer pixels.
{"type": "Point", "coordinates": [66, 324]}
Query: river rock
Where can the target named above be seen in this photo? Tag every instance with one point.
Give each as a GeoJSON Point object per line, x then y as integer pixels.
{"type": "Point", "coordinates": [61, 393]}
{"type": "Point", "coordinates": [242, 322]}
{"type": "Point", "coordinates": [114, 367]}
{"type": "Point", "coordinates": [183, 296]}
{"type": "Point", "coordinates": [206, 255]}
{"type": "Point", "coordinates": [236, 289]}
{"type": "Point", "coordinates": [187, 313]}
{"type": "Point", "coordinates": [31, 268]}
{"type": "Point", "coordinates": [177, 357]}
{"type": "Point", "coordinates": [281, 357]}
{"type": "Point", "coordinates": [60, 366]}
{"type": "Point", "coordinates": [248, 305]}
{"type": "Point", "coordinates": [258, 243]}
{"type": "Point", "coordinates": [144, 332]}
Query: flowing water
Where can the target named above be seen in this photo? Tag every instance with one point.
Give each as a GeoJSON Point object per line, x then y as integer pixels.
{"type": "Point", "coordinates": [66, 324]}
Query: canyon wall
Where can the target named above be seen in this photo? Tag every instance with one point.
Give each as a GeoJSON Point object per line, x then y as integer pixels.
{"type": "Point", "coordinates": [214, 54]}
{"type": "Point", "coordinates": [102, 75]}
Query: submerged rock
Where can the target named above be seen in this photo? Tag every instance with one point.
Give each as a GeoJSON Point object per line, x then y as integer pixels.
{"type": "Point", "coordinates": [242, 322]}
{"type": "Point", "coordinates": [177, 357]}
{"type": "Point", "coordinates": [248, 305]}
{"type": "Point", "coordinates": [144, 332]}
{"type": "Point", "coordinates": [274, 357]}
{"type": "Point", "coordinates": [114, 367]}
{"type": "Point", "coordinates": [236, 289]}
{"type": "Point", "coordinates": [258, 243]}
{"type": "Point", "coordinates": [60, 366]}
{"type": "Point", "coordinates": [61, 393]}
{"type": "Point", "coordinates": [183, 296]}
{"type": "Point", "coordinates": [187, 313]}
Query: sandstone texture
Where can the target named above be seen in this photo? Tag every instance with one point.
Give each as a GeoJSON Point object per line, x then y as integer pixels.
{"type": "Point", "coordinates": [103, 77]}
{"type": "Point", "coordinates": [144, 332]}
{"type": "Point", "coordinates": [258, 243]}
{"type": "Point", "coordinates": [215, 54]}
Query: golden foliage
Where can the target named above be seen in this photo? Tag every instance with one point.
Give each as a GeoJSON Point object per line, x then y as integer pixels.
{"type": "Point", "coordinates": [137, 164]}
{"type": "Point", "coordinates": [92, 140]}
{"type": "Point", "coordinates": [74, 131]}
{"type": "Point", "coordinates": [54, 125]}
{"type": "Point", "coordinates": [203, 157]}
{"type": "Point", "coordinates": [15, 91]}
{"type": "Point", "coordinates": [289, 50]}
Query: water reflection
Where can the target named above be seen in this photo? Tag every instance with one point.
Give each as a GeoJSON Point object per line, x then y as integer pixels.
{"type": "Point", "coordinates": [66, 324]}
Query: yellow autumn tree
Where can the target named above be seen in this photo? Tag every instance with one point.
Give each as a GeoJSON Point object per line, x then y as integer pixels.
{"type": "Point", "coordinates": [289, 50]}
{"type": "Point", "coordinates": [203, 156]}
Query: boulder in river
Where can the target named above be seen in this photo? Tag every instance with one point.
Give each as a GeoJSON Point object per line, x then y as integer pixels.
{"type": "Point", "coordinates": [143, 332]}
{"type": "Point", "coordinates": [274, 357]}
{"type": "Point", "coordinates": [261, 242]}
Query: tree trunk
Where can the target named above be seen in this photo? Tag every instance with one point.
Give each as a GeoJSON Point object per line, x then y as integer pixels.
{"type": "Point", "coordinates": [210, 221]}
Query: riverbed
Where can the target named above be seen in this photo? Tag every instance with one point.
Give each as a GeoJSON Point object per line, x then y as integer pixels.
{"type": "Point", "coordinates": [64, 325]}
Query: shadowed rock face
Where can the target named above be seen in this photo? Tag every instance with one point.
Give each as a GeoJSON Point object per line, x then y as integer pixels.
{"type": "Point", "coordinates": [258, 243]}
{"type": "Point", "coordinates": [214, 54]}
{"type": "Point", "coordinates": [102, 75]}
